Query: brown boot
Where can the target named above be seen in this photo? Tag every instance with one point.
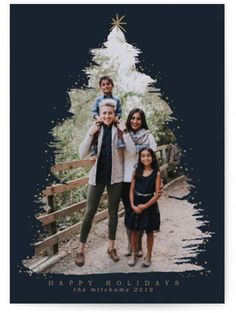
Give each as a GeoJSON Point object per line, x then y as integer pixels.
{"type": "Point", "coordinates": [113, 254]}
{"type": "Point", "coordinates": [79, 260]}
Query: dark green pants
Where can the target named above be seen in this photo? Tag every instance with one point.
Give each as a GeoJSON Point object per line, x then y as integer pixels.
{"type": "Point", "coordinates": [94, 196]}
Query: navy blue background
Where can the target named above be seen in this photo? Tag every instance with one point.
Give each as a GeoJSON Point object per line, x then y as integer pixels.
{"type": "Point", "coordinates": [49, 49]}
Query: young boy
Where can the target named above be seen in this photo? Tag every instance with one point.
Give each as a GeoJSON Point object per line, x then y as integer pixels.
{"type": "Point", "coordinates": [106, 85]}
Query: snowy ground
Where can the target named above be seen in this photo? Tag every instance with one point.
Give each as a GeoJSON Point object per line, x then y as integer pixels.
{"type": "Point", "coordinates": [179, 238]}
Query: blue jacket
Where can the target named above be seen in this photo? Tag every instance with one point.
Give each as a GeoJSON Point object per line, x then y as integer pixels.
{"type": "Point", "coordinates": [96, 105]}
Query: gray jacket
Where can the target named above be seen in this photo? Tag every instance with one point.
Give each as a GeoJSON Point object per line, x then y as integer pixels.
{"type": "Point", "coordinates": [117, 169]}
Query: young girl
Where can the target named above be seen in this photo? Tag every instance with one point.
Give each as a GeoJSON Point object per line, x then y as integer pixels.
{"type": "Point", "coordinates": [145, 190]}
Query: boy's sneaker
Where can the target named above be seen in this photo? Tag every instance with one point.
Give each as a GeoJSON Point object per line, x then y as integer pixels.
{"type": "Point", "coordinates": [120, 144]}
{"type": "Point", "coordinates": [93, 150]}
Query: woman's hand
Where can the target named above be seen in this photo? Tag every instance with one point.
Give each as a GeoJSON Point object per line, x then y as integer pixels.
{"type": "Point", "coordinates": [136, 209]}
{"type": "Point", "coordinates": [141, 207]}
{"type": "Point", "coordinates": [121, 125]}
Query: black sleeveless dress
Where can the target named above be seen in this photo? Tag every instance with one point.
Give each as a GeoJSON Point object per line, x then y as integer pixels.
{"type": "Point", "coordinates": [149, 219]}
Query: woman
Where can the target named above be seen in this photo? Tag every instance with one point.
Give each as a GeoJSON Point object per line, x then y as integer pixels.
{"type": "Point", "coordinates": [107, 171]}
{"type": "Point", "coordinates": [136, 136]}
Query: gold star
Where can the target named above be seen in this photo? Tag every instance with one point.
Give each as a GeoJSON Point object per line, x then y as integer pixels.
{"type": "Point", "coordinates": [118, 22]}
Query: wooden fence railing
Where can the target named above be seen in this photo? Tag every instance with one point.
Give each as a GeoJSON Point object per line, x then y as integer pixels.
{"type": "Point", "coordinates": [49, 219]}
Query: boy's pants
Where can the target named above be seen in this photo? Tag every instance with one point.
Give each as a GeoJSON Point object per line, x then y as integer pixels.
{"type": "Point", "coordinates": [94, 196]}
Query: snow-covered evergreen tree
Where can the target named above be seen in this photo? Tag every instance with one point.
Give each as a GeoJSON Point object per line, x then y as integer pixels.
{"type": "Point", "coordinates": [118, 59]}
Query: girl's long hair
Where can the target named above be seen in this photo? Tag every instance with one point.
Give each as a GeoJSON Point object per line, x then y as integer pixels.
{"type": "Point", "coordinates": [142, 115]}
{"type": "Point", "coordinates": [140, 166]}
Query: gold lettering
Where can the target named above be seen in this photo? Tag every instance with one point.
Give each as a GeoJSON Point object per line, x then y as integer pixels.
{"type": "Point", "coordinates": [77, 289]}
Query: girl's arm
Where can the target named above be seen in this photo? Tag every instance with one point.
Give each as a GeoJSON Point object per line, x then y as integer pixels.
{"type": "Point", "coordinates": [131, 196]}
{"type": "Point", "coordinates": [156, 196]}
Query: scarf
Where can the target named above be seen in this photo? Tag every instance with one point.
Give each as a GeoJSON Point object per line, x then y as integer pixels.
{"type": "Point", "coordinates": [140, 138]}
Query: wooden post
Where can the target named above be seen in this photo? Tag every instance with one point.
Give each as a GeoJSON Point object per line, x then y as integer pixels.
{"type": "Point", "coordinates": [164, 157]}
{"type": "Point", "coordinates": [52, 228]}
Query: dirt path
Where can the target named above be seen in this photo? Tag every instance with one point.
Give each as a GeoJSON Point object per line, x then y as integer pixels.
{"type": "Point", "coordinates": [179, 238]}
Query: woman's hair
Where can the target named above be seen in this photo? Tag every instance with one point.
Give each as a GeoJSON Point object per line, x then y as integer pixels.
{"type": "Point", "coordinates": [142, 115]}
{"type": "Point", "coordinates": [140, 167]}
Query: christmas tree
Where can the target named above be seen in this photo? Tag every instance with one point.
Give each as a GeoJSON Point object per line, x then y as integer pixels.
{"type": "Point", "coordinates": [118, 59]}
